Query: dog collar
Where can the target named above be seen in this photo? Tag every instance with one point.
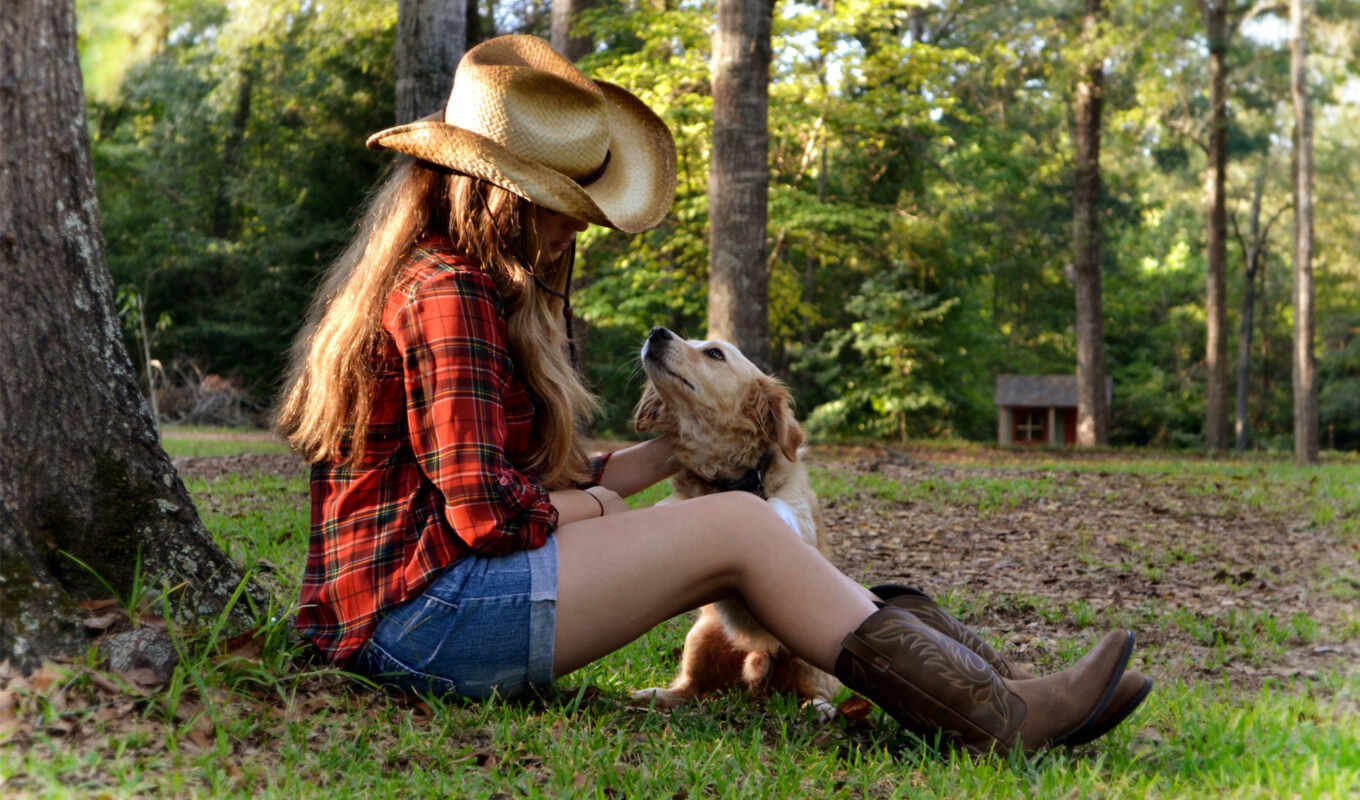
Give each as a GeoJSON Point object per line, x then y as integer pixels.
{"type": "Point", "coordinates": [752, 480]}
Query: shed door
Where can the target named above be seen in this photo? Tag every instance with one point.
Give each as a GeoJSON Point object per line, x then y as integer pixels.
{"type": "Point", "coordinates": [1029, 426]}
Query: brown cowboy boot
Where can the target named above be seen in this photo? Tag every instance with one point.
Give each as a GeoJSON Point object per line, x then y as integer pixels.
{"type": "Point", "coordinates": [1132, 690]}
{"type": "Point", "coordinates": [928, 681]}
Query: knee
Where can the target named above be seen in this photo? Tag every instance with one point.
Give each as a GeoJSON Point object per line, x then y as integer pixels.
{"type": "Point", "coordinates": [743, 516]}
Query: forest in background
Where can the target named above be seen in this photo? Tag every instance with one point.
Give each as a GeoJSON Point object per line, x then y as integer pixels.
{"type": "Point", "coordinates": [920, 212]}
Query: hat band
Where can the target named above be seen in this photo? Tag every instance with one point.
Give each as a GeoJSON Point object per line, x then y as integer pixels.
{"type": "Point", "coordinates": [596, 174]}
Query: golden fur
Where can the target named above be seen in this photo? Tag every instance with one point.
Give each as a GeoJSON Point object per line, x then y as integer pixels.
{"type": "Point", "coordinates": [724, 415]}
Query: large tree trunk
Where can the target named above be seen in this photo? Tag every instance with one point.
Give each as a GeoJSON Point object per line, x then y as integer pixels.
{"type": "Point", "coordinates": [81, 470]}
{"type": "Point", "coordinates": [1093, 412]}
{"type": "Point", "coordinates": [1216, 340]}
{"type": "Point", "coordinates": [738, 283]}
{"type": "Point", "coordinates": [565, 15]}
{"type": "Point", "coordinates": [1305, 366]}
{"type": "Point", "coordinates": [431, 39]}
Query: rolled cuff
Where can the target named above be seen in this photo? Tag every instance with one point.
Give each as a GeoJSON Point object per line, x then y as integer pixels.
{"type": "Point", "coordinates": [526, 519]}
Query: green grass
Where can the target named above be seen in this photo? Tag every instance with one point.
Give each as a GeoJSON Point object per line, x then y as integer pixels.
{"type": "Point", "coordinates": [267, 724]}
{"type": "Point", "coordinates": [205, 441]}
{"type": "Point", "coordinates": [1193, 741]}
{"type": "Point", "coordinates": [257, 518]}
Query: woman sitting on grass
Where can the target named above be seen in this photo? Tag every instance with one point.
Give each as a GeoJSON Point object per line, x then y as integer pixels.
{"type": "Point", "coordinates": [462, 542]}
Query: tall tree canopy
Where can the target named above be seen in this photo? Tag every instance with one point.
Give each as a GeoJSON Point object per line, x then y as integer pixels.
{"type": "Point", "coordinates": [920, 167]}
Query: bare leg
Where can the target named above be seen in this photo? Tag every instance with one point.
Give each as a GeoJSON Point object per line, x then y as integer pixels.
{"type": "Point", "coordinates": [621, 575]}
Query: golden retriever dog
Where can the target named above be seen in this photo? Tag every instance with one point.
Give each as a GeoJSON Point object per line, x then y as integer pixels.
{"type": "Point", "coordinates": [733, 429]}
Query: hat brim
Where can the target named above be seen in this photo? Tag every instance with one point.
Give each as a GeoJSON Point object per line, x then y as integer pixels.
{"type": "Point", "coordinates": [632, 194]}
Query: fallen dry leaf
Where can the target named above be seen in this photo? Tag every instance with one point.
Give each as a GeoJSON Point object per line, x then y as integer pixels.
{"type": "Point", "coordinates": [856, 708]}
{"type": "Point", "coordinates": [142, 678]}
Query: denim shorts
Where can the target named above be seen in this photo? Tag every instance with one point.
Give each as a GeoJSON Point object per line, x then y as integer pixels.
{"type": "Point", "coordinates": [484, 626]}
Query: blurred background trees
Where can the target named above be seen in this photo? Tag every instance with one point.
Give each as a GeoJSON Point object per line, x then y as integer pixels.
{"type": "Point", "coordinates": [921, 163]}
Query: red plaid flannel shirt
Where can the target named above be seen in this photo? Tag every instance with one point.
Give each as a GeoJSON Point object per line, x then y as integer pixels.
{"type": "Point", "coordinates": [451, 419]}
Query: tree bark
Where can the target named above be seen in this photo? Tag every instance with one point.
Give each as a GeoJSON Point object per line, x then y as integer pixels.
{"type": "Point", "coordinates": [565, 14]}
{"type": "Point", "coordinates": [1305, 365]}
{"type": "Point", "coordinates": [1216, 340]}
{"type": "Point", "coordinates": [738, 284]}
{"type": "Point", "coordinates": [81, 470]}
{"type": "Point", "coordinates": [224, 218]}
{"type": "Point", "coordinates": [1093, 412]}
{"type": "Point", "coordinates": [1251, 256]}
{"type": "Point", "coordinates": [431, 39]}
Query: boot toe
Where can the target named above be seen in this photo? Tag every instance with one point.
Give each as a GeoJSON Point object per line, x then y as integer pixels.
{"type": "Point", "coordinates": [1133, 689]}
{"type": "Point", "coordinates": [1061, 705]}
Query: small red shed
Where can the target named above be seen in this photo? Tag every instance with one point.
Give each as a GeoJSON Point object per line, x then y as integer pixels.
{"type": "Point", "coordinates": [1039, 409]}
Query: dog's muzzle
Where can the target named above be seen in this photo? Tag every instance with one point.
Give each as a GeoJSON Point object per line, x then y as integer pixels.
{"type": "Point", "coordinates": [654, 349]}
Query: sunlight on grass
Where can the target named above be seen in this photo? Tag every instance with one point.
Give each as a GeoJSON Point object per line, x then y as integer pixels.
{"type": "Point", "coordinates": [278, 726]}
{"type": "Point", "coordinates": [983, 494]}
{"type": "Point", "coordinates": [201, 441]}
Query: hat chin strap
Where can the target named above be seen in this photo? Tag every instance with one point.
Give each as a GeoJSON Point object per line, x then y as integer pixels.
{"type": "Point", "coordinates": [565, 296]}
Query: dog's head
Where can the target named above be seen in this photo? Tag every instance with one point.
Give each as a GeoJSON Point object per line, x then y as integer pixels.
{"type": "Point", "coordinates": [712, 397]}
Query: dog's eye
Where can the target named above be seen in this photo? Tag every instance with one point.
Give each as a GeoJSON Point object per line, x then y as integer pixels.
{"type": "Point", "coordinates": [715, 354]}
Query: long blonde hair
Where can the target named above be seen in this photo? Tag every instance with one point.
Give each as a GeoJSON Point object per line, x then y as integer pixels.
{"type": "Point", "coordinates": [327, 398]}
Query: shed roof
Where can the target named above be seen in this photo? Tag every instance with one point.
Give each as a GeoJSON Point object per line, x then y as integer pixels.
{"type": "Point", "coordinates": [1042, 390]}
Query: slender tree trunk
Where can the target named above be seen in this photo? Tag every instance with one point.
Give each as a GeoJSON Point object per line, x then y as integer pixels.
{"type": "Point", "coordinates": [81, 471]}
{"type": "Point", "coordinates": [738, 284]}
{"type": "Point", "coordinates": [1093, 413]}
{"type": "Point", "coordinates": [1305, 366]}
{"type": "Point", "coordinates": [474, 30]}
{"type": "Point", "coordinates": [565, 15]}
{"type": "Point", "coordinates": [813, 264]}
{"type": "Point", "coordinates": [1216, 341]}
{"type": "Point", "coordinates": [431, 38]}
{"type": "Point", "coordinates": [1253, 254]}
{"type": "Point", "coordinates": [223, 217]}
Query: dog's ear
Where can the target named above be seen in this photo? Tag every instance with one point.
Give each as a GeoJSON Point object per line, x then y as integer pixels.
{"type": "Point", "coordinates": [651, 410]}
{"type": "Point", "coordinates": [770, 405]}
{"type": "Point", "coordinates": [790, 435]}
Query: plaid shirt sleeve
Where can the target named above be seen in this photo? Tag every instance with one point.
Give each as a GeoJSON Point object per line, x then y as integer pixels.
{"type": "Point", "coordinates": [456, 365]}
{"type": "Point", "coordinates": [597, 465]}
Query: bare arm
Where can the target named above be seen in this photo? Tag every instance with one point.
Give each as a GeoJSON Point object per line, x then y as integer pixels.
{"type": "Point", "coordinates": [634, 468]}
{"type": "Point", "coordinates": [628, 471]}
{"type": "Point", "coordinates": [574, 505]}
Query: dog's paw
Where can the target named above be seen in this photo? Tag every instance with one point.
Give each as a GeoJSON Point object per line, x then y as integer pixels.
{"type": "Point", "coordinates": [823, 710]}
{"type": "Point", "coordinates": [658, 698]}
{"type": "Point", "coordinates": [755, 669]}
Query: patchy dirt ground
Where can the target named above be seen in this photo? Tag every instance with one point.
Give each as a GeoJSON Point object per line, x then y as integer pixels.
{"type": "Point", "coordinates": [214, 467]}
{"type": "Point", "coordinates": [1219, 577]}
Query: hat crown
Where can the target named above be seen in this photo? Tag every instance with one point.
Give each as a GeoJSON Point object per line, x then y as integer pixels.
{"type": "Point", "coordinates": [521, 94]}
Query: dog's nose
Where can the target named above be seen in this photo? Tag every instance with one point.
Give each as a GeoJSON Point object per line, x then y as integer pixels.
{"type": "Point", "coordinates": [658, 333]}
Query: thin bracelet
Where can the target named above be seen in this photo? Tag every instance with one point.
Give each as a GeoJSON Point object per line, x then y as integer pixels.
{"type": "Point", "coordinates": [597, 500]}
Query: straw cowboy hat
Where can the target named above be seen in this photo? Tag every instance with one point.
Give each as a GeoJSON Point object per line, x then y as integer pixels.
{"type": "Point", "coordinates": [524, 118]}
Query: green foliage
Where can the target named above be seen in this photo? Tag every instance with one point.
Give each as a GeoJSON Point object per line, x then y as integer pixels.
{"type": "Point", "coordinates": [1339, 375]}
{"type": "Point", "coordinates": [879, 363]}
{"type": "Point", "coordinates": [229, 165]}
{"type": "Point", "coordinates": [919, 232]}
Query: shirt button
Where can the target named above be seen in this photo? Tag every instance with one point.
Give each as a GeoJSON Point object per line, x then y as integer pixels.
{"type": "Point", "coordinates": [504, 481]}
